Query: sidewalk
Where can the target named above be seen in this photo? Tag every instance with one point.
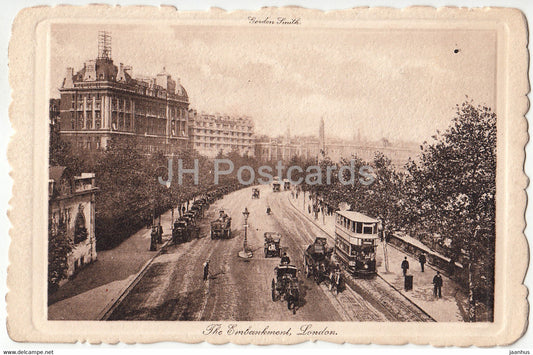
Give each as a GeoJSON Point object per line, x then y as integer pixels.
{"type": "Point", "coordinates": [450, 308]}
{"type": "Point", "coordinates": [99, 284]}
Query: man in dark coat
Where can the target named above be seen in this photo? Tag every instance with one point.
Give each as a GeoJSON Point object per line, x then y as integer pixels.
{"type": "Point", "coordinates": [405, 266]}
{"type": "Point", "coordinates": [437, 285]}
{"type": "Point", "coordinates": [206, 270]}
{"type": "Point", "coordinates": [422, 261]}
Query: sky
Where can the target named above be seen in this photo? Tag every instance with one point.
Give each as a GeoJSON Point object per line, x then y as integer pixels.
{"type": "Point", "coordinates": [394, 84]}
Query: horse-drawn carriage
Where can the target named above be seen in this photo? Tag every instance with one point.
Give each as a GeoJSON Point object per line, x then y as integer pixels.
{"type": "Point", "coordinates": [318, 264]}
{"type": "Point", "coordinates": [272, 245]}
{"type": "Point", "coordinates": [197, 209]}
{"type": "Point", "coordinates": [285, 286]}
{"type": "Point", "coordinates": [317, 258]}
{"type": "Point", "coordinates": [255, 193]}
{"type": "Point", "coordinates": [221, 227]}
{"type": "Point", "coordinates": [286, 184]}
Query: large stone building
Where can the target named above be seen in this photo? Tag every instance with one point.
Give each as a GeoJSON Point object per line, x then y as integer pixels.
{"type": "Point", "coordinates": [103, 102]}
{"type": "Point", "coordinates": [71, 203]}
{"type": "Point", "coordinates": [311, 148]}
{"type": "Point", "coordinates": [212, 134]}
{"type": "Point", "coordinates": [398, 153]}
{"type": "Point", "coordinates": [282, 148]}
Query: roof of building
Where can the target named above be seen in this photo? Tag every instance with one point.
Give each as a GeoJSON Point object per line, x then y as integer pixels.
{"type": "Point", "coordinates": [55, 172]}
{"type": "Point", "coordinates": [105, 70]}
{"type": "Point", "coordinates": [358, 217]}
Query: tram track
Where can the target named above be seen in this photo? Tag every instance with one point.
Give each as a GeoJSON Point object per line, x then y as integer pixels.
{"type": "Point", "coordinates": [350, 305]}
{"type": "Point", "coordinates": [406, 310]}
{"type": "Point", "coordinates": [170, 286]}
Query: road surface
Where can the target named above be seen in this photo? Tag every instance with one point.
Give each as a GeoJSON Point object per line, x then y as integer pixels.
{"type": "Point", "coordinates": [240, 290]}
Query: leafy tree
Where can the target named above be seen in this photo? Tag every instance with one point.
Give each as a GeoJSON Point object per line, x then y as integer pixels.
{"type": "Point", "coordinates": [59, 247]}
{"type": "Point", "coordinates": [387, 200]}
{"type": "Point", "coordinates": [62, 153]}
{"type": "Point", "coordinates": [454, 186]}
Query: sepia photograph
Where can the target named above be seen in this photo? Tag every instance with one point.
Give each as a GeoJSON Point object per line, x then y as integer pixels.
{"type": "Point", "coordinates": [280, 175]}
{"type": "Point", "coordinates": [275, 227]}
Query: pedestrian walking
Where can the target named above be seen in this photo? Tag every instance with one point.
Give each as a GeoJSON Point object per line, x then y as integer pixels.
{"type": "Point", "coordinates": [206, 270]}
{"type": "Point", "coordinates": [183, 210]}
{"type": "Point", "coordinates": [422, 261]}
{"type": "Point", "coordinates": [437, 285]}
{"type": "Point", "coordinates": [309, 209]}
{"type": "Point", "coordinates": [405, 265]}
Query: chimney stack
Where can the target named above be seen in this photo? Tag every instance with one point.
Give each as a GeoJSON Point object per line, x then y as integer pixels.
{"type": "Point", "coordinates": [67, 82]}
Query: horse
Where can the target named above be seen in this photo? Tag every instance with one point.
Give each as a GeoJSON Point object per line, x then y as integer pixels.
{"type": "Point", "coordinates": [335, 280]}
{"type": "Point", "coordinates": [292, 295]}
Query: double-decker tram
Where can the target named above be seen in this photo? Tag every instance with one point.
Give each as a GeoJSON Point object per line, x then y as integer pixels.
{"type": "Point", "coordinates": [356, 237]}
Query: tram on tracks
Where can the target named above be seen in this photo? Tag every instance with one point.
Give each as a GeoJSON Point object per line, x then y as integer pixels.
{"type": "Point", "coordinates": [356, 237]}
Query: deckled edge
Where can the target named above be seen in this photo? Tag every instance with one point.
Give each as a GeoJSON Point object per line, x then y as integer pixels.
{"type": "Point", "coordinates": [20, 322]}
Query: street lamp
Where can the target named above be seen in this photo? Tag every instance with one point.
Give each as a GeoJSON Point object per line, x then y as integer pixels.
{"type": "Point", "coordinates": [245, 253]}
{"type": "Point", "coordinates": [381, 230]}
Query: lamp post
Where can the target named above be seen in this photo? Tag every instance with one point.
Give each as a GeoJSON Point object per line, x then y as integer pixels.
{"type": "Point", "coordinates": [171, 208]}
{"type": "Point", "coordinates": [245, 253]}
{"type": "Point", "coordinates": [384, 244]}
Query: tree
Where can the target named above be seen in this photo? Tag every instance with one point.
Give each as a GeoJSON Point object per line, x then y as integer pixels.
{"type": "Point", "coordinates": [388, 197]}
{"type": "Point", "coordinates": [59, 247]}
{"type": "Point", "coordinates": [454, 186]}
{"type": "Point", "coordinates": [62, 153]}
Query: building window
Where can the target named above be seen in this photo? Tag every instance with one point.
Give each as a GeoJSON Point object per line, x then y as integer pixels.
{"type": "Point", "coordinates": [80, 230]}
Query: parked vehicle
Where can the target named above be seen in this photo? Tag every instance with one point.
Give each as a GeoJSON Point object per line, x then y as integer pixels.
{"type": "Point", "coordinates": [179, 232]}
{"type": "Point", "coordinates": [285, 286]}
{"type": "Point", "coordinates": [192, 230]}
{"type": "Point", "coordinates": [272, 245]}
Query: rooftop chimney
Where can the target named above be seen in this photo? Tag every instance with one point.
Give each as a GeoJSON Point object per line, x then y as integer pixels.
{"type": "Point", "coordinates": [67, 82]}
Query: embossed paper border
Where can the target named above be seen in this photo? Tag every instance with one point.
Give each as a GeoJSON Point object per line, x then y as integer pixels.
{"type": "Point", "coordinates": [27, 154]}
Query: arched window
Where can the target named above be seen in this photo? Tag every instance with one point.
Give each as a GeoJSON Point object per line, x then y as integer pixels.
{"type": "Point", "coordinates": [80, 230]}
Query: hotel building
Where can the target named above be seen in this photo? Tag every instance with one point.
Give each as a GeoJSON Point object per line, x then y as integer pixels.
{"type": "Point", "coordinates": [212, 134]}
{"type": "Point", "coordinates": [103, 102]}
